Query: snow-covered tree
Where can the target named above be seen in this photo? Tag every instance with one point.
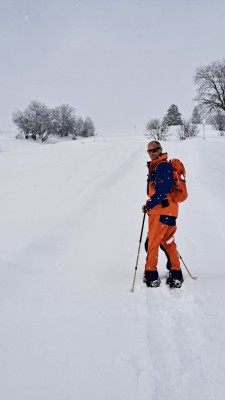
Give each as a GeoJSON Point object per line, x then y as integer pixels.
{"type": "Point", "coordinates": [218, 121]}
{"type": "Point", "coordinates": [39, 117]}
{"type": "Point", "coordinates": [196, 117]}
{"type": "Point", "coordinates": [187, 130]}
{"type": "Point", "coordinates": [22, 122]}
{"type": "Point", "coordinates": [173, 116]}
{"type": "Point", "coordinates": [156, 129]}
{"type": "Point", "coordinates": [79, 126]}
{"type": "Point", "coordinates": [88, 128]}
{"type": "Point", "coordinates": [34, 121]}
{"type": "Point", "coordinates": [64, 120]}
{"type": "Point", "coordinates": [37, 120]}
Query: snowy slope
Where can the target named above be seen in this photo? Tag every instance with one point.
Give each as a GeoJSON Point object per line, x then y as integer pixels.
{"type": "Point", "coordinates": [70, 226]}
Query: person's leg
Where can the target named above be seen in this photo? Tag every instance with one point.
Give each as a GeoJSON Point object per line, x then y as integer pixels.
{"type": "Point", "coordinates": [168, 245]}
{"type": "Point", "coordinates": [156, 231]}
{"type": "Point", "coordinates": [175, 278]}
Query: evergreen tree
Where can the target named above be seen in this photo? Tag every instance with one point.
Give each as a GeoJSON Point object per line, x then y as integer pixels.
{"type": "Point", "coordinates": [173, 116]}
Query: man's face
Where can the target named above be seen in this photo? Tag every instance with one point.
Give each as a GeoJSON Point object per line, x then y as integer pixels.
{"type": "Point", "coordinates": [154, 151]}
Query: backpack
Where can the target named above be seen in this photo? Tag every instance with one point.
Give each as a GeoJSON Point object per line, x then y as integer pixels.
{"type": "Point", "coordinates": [179, 191]}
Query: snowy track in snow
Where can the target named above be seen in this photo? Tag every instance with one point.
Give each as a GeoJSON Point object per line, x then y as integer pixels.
{"type": "Point", "coordinates": [174, 342]}
{"type": "Point", "coordinates": [70, 327]}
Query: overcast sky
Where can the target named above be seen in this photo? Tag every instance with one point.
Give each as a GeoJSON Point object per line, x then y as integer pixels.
{"type": "Point", "coordinates": [121, 62]}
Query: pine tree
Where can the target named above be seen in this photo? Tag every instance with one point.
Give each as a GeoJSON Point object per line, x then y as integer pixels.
{"type": "Point", "coordinates": [173, 116]}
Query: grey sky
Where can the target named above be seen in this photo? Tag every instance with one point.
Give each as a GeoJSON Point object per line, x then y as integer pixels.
{"type": "Point", "coordinates": [121, 62]}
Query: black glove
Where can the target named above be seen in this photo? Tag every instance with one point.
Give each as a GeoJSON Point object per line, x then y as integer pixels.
{"type": "Point", "coordinates": [145, 209]}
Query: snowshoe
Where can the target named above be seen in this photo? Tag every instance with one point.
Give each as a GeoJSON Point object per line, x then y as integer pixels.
{"type": "Point", "coordinates": [175, 279]}
{"type": "Point", "coordinates": [155, 283]}
{"type": "Point", "coordinates": [151, 278]}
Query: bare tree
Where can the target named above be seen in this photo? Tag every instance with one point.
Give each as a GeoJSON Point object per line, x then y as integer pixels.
{"type": "Point", "coordinates": [88, 128]}
{"type": "Point", "coordinates": [38, 121]}
{"type": "Point", "coordinates": [22, 122]}
{"type": "Point", "coordinates": [64, 120]}
{"type": "Point", "coordinates": [196, 117]}
{"type": "Point", "coordinates": [156, 129]}
{"type": "Point", "coordinates": [78, 127]}
{"type": "Point", "coordinates": [210, 81]}
{"type": "Point", "coordinates": [218, 121]}
{"type": "Point", "coordinates": [187, 130]}
{"type": "Point", "coordinates": [34, 121]}
{"type": "Point", "coordinates": [38, 113]}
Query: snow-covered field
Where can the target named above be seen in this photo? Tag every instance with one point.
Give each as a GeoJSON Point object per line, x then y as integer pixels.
{"type": "Point", "coordinates": [70, 328]}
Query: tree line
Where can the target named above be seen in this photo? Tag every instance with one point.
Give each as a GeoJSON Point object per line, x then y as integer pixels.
{"type": "Point", "coordinates": [159, 129]}
{"type": "Point", "coordinates": [39, 121]}
{"type": "Point", "coordinates": [209, 108]}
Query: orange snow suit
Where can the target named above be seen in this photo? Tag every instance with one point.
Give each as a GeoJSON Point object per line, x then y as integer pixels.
{"type": "Point", "coordinates": [162, 218]}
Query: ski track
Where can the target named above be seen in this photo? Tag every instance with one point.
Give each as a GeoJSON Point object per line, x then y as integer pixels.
{"type": "Point", "coordinates": [178, 358]}
{"type": "Point", "coordinates": [173, 348]}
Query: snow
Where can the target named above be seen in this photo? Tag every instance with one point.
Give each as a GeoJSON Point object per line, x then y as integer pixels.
{"type": "Point", "coordinates": [70, 226]}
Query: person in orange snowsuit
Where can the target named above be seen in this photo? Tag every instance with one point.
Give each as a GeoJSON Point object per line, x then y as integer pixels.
{"type": "Point", "coordinates": [162, 212]}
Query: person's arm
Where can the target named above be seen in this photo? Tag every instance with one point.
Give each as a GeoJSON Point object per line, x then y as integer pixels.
{"type": "Point", "coordinates": [163, 184]}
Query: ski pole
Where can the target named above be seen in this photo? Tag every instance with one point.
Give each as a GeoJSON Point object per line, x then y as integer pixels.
{"type": "Point", "coordinates": [139, 246]}
{"type": "Point", "coordinates": [192, 277]}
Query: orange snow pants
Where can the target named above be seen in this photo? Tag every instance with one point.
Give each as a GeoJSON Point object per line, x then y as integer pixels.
{"type": "Point", "coordinates": [161, 234]}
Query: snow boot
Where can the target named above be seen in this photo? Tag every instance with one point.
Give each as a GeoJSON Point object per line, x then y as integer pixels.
{"type": "Point", "coordinates": [151, 278]}
{"type": "Point", "coordinates": [175, 279]}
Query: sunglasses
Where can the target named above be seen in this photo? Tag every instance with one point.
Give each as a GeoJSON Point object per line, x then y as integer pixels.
{"type": "Point", "coordinates": [153, 150]}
